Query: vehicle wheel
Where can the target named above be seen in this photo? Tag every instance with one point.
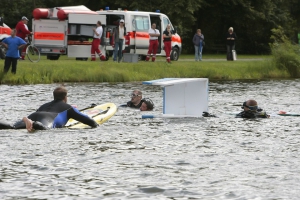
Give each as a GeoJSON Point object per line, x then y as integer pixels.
{"type": "Point", "coordinates": [53, 57]}
{"type": "Point", "coordinates": [2, 52]}
{"type": "Point", "coordinates": [175, 54]}
{"type": "Point", "coordinates": [33, 53]}
{"type": "Point", "coordinates": [142, 57]}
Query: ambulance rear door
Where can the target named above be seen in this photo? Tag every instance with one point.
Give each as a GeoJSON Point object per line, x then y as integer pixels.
{"type": "Point", "coordinates": [140, 28]}
{"type": "Point", "coordinates": [80, 34]}
{"type": "Point", "coordinates": [49, 35]}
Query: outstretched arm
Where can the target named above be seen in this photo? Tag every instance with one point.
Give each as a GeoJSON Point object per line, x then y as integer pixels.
{"type": "Point", "coordinates": [78, 116]}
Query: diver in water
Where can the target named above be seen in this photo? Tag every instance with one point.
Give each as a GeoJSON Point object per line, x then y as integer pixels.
{"type": "Point", "coordinates": [147, 105]}
{"type": "Point", "coordinates": [54, 114]}
{"type": "Point", "coordinates": [251, 110]}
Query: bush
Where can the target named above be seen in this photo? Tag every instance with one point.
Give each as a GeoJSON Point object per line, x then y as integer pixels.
{"type": "Point", "coordinates": [285, 54]}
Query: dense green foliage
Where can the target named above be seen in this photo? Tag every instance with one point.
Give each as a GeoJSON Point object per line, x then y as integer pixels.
{"type": "Point", "coordinates": [70, 70]}
{"type": "Point", "coordinates": [286, 56]}
{"type": "Point", "coordinates": [252, 20]}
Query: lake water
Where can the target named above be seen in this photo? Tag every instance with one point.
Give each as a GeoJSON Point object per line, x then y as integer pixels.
{"type": "Point", "coordinates": [132, 158]}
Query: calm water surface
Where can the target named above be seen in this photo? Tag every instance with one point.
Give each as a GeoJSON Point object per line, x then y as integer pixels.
{"type": "Point", "coordinates": [133, 158]}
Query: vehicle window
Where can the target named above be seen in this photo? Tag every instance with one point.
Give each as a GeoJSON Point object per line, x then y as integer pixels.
{"type": "Point", "coordinates": [166, 21]}
{"type": "Point", "coordinates": [141, 23]}
{"type": "Point", "coordinates": [113, 19]}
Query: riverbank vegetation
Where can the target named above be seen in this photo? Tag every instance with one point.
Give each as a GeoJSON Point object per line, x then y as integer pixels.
{"type": "Point", "coordinates": [251, 20]}
{"type": "Point", "coordinates": [214, 67]}
{"type": "Point", "coordinates": [285, 54]}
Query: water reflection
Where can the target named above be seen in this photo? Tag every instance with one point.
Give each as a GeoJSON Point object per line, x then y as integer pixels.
{"type": "Point", "coordinates": [130, 157]}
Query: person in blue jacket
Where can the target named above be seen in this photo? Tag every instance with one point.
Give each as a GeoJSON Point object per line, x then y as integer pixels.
{"type": "Point", "coordinates": [13, 44]}
{"type": "Point", "coordinates": [54, 114]}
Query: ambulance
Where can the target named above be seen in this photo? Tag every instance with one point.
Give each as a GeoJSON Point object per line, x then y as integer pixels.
{"type": "Point", "coordinates": [137, 24]}
{"type": "Point", "coordinates": [4, 33]}
{"type": "Point", "coordinates": [65, 31]}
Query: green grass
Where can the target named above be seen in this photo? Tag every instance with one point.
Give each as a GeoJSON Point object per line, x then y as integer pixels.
{"type": "Point", "coordinates": [212, 67]}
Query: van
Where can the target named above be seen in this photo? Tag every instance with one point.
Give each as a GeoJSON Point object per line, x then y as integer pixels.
{"type": "Point", "coordinates": [137, 26]}
{"type": "Point", "coordinates": [4, 33]}
{"type": "Point", "coordinates": [65, 31]}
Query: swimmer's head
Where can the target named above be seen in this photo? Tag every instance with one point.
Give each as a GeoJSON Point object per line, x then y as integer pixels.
{"type": "Point", "coordinates": [60, 93]}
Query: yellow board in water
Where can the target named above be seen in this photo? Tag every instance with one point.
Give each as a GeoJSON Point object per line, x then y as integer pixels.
{"type": "Point", "coordinates": [100, 114]}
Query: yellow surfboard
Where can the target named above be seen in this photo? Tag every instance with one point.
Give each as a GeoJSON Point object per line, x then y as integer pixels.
{"type": "Point", "coordinates": [100, 114]}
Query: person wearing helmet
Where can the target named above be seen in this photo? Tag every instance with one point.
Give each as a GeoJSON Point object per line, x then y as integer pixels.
{"type": "Point", "coordinates": [147, 105]}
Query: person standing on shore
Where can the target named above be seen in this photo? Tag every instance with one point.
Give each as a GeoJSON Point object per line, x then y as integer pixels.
{"type": "Point", "coordinates": [119, 33]}
{"type": "Point", "coordinates": [96, 42]}
{"type": "Point", "coordinates": [13, 44]}
{"type": "Point", "coordinates": [153, 43]}
{"type": "Point", "coordinates": [22, 32]}
{"type": "Point", "coordinates": [167, 42]}
{"type": "Point", "coordinates": [198, 40]}
{"type": "Point", "coordinates": [230, 43]}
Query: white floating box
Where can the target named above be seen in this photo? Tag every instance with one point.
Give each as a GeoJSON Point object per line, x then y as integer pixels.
{"type": "Point", "coordinates": [183, 96]}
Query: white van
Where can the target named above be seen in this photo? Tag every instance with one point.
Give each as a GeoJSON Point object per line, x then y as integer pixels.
{"type": "Point", "coordinates": [137, 38]}
{"type": "Point", "coordinates": [4, 33]}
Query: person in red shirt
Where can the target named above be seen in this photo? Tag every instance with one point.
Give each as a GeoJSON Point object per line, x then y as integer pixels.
{"type": "Point", "coordinates": [22, 32]}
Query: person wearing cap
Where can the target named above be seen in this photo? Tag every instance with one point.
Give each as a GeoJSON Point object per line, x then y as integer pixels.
{"type": "Point", "coordinates": [147, 105]}
{"type": "Point", "coordinates": [230, 43]}
{"type": "Point", "coordinates": [96, 42]}
{"type": "Point", "coordinates": [12, 44]}
{"type": "Point", "coordinates": [22, 32]}
{"type": "Point", "coordinates": [153, 43]}
{"type": "Point", "coordinates": [118, 39]}
{"type": "Point", "coordinates": [251, 110]}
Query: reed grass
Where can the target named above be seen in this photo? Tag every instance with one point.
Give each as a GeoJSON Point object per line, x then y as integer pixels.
{"type": "Point", "coordinates": [69, 70]}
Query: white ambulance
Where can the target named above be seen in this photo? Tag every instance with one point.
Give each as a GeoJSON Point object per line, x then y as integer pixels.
{"type": "Point", "coordinates": [137, 24]}
{"type": "Point", "coordinates": [4, 33]}
{"type": "Point", "coordinates": [65, 31]}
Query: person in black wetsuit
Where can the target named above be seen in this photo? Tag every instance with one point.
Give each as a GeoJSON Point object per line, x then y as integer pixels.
{"type": "Point", "coordinates": [147, 105]}
{"type": "Point", "coordinates": [136, 99]}
{"type": "Point", "coordinates": [54, 114]}
{"type": "Point", "coordinates": [251, 110]}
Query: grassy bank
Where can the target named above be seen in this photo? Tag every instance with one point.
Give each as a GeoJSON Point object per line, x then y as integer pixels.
{"type": "Point", "coordinates": [214, 67]}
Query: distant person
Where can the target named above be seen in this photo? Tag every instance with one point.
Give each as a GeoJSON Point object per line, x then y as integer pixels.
{"type": "Point", "coordinates": [136, 99]}
{"type": "Point", "coordinates": [147, 105]}
{"type": "Point", "coordinates": [167, 42]}
{"type": "Point", "coordinates": [198, 44]}
{"type": "Point", "coordinates": [251, 110]}
{"type": "Point", "coordinates": [153, 42]}
{"type": "Point", "coordinates": [13, 44]}
{"type": "Point", "coordinates": [23, 32]}
{"type": "Point", "coordinates": [54, 114]}
{"type": "Point", "coordinates": [96, 42]}
{"type": "Point", "coordinates": [230, 43]}
{"type": "Point", "coordinates": [119, 33]}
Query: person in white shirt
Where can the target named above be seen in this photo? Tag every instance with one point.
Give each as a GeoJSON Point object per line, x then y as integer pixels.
{"type": "Point", "coordinates": [96, 42]}
{"type": "Point", "coordinates": [153, 43]}
{"type": "Point", "coordinates": [119, 33]}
